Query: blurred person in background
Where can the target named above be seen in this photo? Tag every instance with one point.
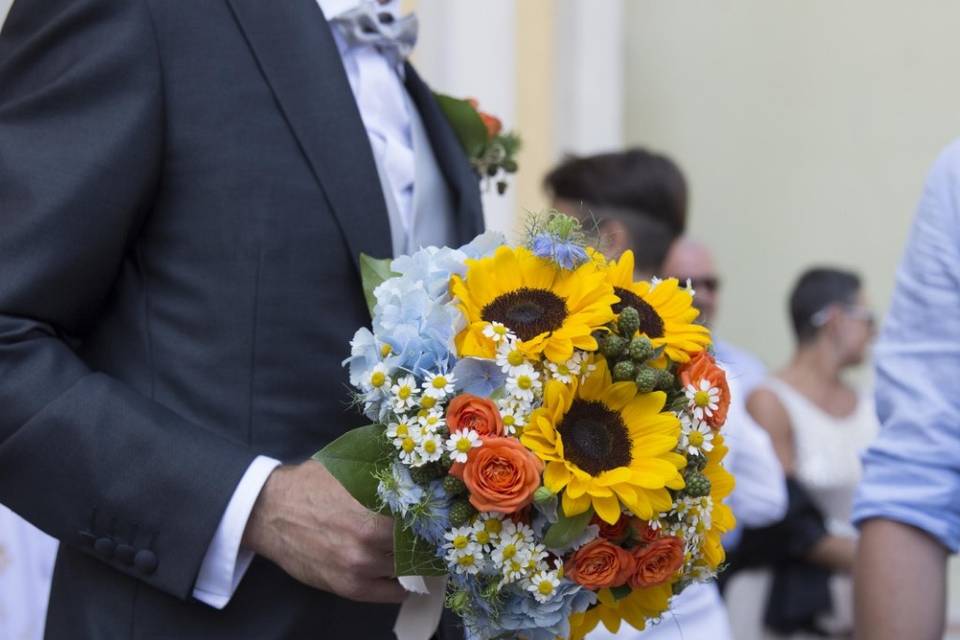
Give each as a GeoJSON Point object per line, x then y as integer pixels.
{"type": "Point", "coordinates": [627, 195]}
{"type": "Point", "coordinates": [801, 567]}
{"type": "Point", "coordinates": [907, 505]}
{"type": "Point", "coordinates": [638, 200]}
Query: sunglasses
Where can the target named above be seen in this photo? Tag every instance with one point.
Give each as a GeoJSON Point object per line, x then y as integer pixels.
{"type": "Point", "coordinates": [855, 311]}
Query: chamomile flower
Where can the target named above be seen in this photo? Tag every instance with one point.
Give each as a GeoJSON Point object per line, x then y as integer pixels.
{"type": "Point", "coordinates": [409, 452]}
{"type": "Point", "coordinates": [696, 437]}
{"type": "Point", "coordinates": [403, 394]}
{"type": "Point", "coordinates": [567, 371]}
{"type": "Point", "coordinates": [462, 554]}
{"type": "Point", "coordinates": [498, 332]}
{"type": "Point", "coordinates": [378, 379]}
{"type": "Point", "coordinates": [438, 385]}
{"type": "Point", "coordinates": [514, 568]}
{"type": "Point", "coordinates": [402, 428]}
{"type": "Point", "coordinates": [431, 447]}
{"type": "Point", "coordinates": [703, 400]}
{"type": "Point", "coordinates": [460, 443]}
{"type": "Point", "coordinates": [536, 554]}
{"type": "Point", "coordinates": [509, 356]}
{"type": "Point", "coordinates": [513, 415]}
{"type": "Point", "coordinates": [488, 527]}
{"type": "Point", "coordinates": [430, 421]}
{"type": "Point", "coordinates": [516, 532]}
{"type": "Point", "coordinates": [524, 383]}
{"type": "Point", "coordinates": [543, 585]}
{"type": "Point", "coordinates": [505, 553]}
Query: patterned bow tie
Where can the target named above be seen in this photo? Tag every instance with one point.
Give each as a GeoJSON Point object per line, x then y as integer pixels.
{"type": "Point", "coordinates": [367, 24]}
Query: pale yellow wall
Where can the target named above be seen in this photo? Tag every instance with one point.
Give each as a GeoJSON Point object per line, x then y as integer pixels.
{"type": "Point", "coordinates": [805, 128]}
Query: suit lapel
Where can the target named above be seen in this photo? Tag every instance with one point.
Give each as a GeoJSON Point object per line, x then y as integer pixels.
{"type": "Point", "coordinates": [299, 58]}
{"type": "Point", "coordinates": [454, 164]}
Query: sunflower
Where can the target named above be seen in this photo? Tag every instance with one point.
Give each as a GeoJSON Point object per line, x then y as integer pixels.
{"type": "Point", "coordinates": [638, 608]}
{"type": "Point", "coordinates": [605, 444]}
{"type": "Point", "coordinates": [721, 517]}
{"type": "Point", "coordinates": [550, 310]}
{"type": "Point", "coordinates": [666, 310]}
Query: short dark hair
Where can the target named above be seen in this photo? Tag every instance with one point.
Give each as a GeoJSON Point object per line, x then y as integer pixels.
{"type": "Point", "coordinates": [648, 238]}
{"type": "Point", "coordinates": [636, 179]}
{"type": "Point", "coordinates": [816, 290]}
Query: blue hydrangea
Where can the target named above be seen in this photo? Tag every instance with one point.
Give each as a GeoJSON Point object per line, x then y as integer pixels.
{"type": "Point", "coordinates": [433, 515]}
{"type": "Point", "coordinates": [398, 490]}
{"type": "Point", "coordinates": [479, 376]}
{"type": "Point", "coordinates": [524, 615]}
{"type": "Point", "coordinates": [566, 253]}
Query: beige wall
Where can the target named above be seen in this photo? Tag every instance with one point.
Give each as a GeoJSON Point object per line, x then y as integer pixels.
{"type": "Point", "coordinates": [805, 128]}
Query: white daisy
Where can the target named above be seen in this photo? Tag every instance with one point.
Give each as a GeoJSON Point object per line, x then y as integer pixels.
{"type": "Point", "coordinates": [506, 551]}
{"type": "Point", "coordinates": [403, 394]}
{"type": "Point", "coordinates": [513, 415]}
{"type": "Point", "coordinates": [696, 437]}
{"type": "Point", "coordinates": [703, 401]}
{"type": "Point", "coordinates": [509, 356]}
{"type": "Point", "coordinates": [487, 527]}
{"type": "Point", "coordinates": [457, 538]}
{"type": "Point", "coordinates": [567, 371]}
{"type": "Point", "coordinates": [460, 443]}
{"type": "Point", "coordinates": [516, 532]}
{"type": "Point", "coordinates": [409, 452]}
{"type": "Point", "coordinates": [377, 379]}
{"type": "Point", "coordinates": [431, 447]}
{"type": "Point", "coordinates": [438, 385]}
{"type": "Point", "coordinates": [524, 383]}
{"type": "Point", "coordinates": [431, 421]}
{"type": "Point", "coordinates": [543, 585]}
{"type": "Point", "coordinates": [498, 332]}
{"type": "Point", "coordinates": [402, 428]}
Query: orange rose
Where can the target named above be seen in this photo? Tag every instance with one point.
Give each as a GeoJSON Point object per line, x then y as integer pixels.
{"type": "Point", "coordinates": [467, 411]}
{"type": "Point", "coordinates": [599, 565]}
{"type": "Point", "coordinates": [501, 476]}
{"type": "Point", "coordinates": [613, 532]}
{"type": "Point", "coordinates": [642, 532]}
{"type": "Point", "coordinates": [657, 562]}
{"type": "Point", "coordinates": [492, 123]}
{"type": "Point", "coordinates": [703, 367]}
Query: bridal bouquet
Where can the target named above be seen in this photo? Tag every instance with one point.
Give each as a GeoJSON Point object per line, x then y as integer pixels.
{"type": "Point", "coordinates": [546, 432]}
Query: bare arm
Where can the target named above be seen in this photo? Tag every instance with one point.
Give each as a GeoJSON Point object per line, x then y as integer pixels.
{"type": "Point", "coordinates": [834, 552]}
{"type": "Point", "coordinates": [899, 583]}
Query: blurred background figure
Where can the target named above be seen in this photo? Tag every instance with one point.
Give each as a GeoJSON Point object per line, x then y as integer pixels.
{"type": "Point", "coordinates": [692, 262]}
{"type": "Point", "coordinates": [637, 199]}
{"type": "Point", "coordinates": [819, 425]}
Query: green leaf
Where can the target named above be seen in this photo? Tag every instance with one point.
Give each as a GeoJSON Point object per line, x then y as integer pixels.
{"type": "Point", "coordinates": [373, 271]}
{"type": "Point", "coordinates": [413, 556]}
{"type": "Point", "coordinates": [354, 460]}
{"type": "Point", "coordinates": [566, 529]}
{"type": "Point", "coordinates": [466, 123]}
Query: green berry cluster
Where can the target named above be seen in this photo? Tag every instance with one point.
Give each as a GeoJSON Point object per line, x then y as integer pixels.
{"type": "Point", "coordinates": [697, 485]}
{"type": "Point", "coordinates": [629, 354]}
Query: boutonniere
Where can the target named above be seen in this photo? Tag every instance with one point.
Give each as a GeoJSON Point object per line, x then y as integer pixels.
{"type": "Point", "coordinates": [491, 151]}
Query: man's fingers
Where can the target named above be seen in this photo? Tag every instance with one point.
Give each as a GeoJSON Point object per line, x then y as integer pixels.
{"type": "Point", "coordinates": [377, 531]}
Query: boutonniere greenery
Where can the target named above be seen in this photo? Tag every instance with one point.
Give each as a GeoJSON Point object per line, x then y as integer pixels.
{"type": "Point", "coordinates": [491, 150]}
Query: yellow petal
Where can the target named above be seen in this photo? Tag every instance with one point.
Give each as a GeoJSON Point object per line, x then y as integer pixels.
{"type": "Point", "coordinates": [575, 506]}
{"type": "Point", "coordinates": [556, 476]}
{"type": "Point", "coordinates": [607, 508]}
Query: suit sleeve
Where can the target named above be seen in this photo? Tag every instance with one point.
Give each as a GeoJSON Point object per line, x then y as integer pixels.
{"type": "Point", "coordinates": [86, 458]}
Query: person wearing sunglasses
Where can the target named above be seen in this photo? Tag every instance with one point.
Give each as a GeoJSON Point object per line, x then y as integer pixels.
{"type": "Point", "coordinates": [799, 579]}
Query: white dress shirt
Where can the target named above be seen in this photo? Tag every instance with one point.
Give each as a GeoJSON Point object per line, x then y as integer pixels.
{"type": "Point", "coordinates": [378, 88]}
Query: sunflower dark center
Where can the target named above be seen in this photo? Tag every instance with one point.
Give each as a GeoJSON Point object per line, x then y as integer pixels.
{"type": "Point", "coordinates": [527, 312]}
{"type": "Point", "coordinates": [594, 437]}
{"type": "Point", "coordinates": [650, 321]}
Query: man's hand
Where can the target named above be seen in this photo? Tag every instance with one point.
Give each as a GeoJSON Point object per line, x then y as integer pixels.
{"type": "Point", "coordinates": [899, 583]}
{"type": "Point", "coordinates": [307, 523]}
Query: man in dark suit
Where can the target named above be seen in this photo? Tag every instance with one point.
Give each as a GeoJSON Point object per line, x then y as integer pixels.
{"type": "Point", "coordinates": [185, 188]}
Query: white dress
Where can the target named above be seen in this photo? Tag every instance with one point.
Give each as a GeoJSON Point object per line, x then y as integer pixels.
{"type": "Point", "coordinates": [828, 466]}
{"type": "Point", "coordinates": [27, 557]}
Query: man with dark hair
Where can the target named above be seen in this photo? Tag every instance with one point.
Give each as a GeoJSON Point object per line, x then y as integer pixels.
{"type": "Point", "coordinates": [629, 194]}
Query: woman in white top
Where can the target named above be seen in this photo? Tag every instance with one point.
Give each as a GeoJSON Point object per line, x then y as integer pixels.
{"type": "Point", "coordinates": [819, 425]}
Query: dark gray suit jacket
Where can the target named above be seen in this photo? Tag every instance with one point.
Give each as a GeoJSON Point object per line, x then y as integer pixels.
{"type": "Point", "coordinates": [185, 187]}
